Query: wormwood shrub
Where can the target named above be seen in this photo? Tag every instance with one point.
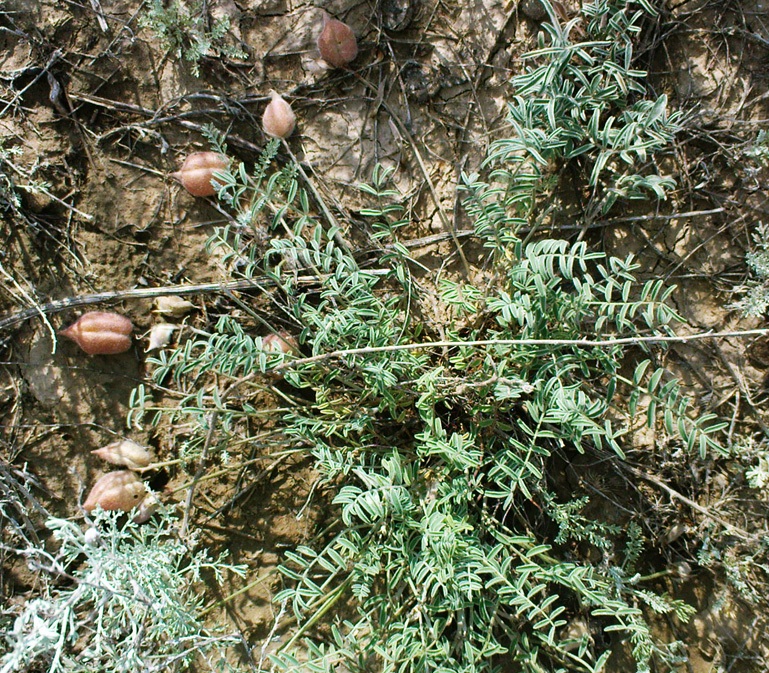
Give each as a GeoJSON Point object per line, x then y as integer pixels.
{"type": "Point", "coordinates": [16, 180]}
{"type": "Point", "coordinates": [187, 30]}
{"type": "Point", "coordinates": [10, 199]}
{"type": "Point", "coordinates": [452, 549]}
{"type": "Point", "coordinates": [756, 291]}
{"type": "Point", "coordinates": [118, 597]}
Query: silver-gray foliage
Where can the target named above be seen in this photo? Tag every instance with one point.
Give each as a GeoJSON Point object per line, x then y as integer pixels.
{"type": "Point", "coordinates": [117, 597]}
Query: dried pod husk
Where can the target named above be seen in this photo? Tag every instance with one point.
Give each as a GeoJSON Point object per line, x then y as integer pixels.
{"type": "Point", "coordinates": [147, 508]}
{"type": "Point", "coordinates": [121, 490]}
{"type": "Point", "coordinates": [336, 43]}
{"type": "Point", "coordinates": [197, 171]}
{"type": "Point", "coordinates": [314, 65]}
{"type": "Point", "coordinates": [160, 335]}
{"type": "Point", "coordinates": [282, 342]}
{"type": "Point", "coordinates": [101, 333]}
{"type": "Point", "coordinates": [173, 305]}
{"type": "Point", "coordinates": [125, 452]}
{"type": "Point", "coordinates": [278, 119]}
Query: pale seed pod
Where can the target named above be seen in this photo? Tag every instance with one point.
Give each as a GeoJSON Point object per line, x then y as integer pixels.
{"type": "Point", "coordinates": [278, 119]}
{"type": "Point", "coordinates": [121, 490]}
{"type": "Point", "coordinates": [282, 342]}
{"type": "Point", "coordinates": [173, 305]}
{"type": "Point", "coordinates": [92, 537]}
{"type": "Point", "coordinates": [101, 333]}
{"type": "Point", "coordinates": [197, 171]}
{"type": "Point", "coordinates": [336, 43]}
{"type": "Point", "coordinates": [125, 452]}
{"type": "Point", "coordinates": [160, 335]}
{"type": "Point", "coordinates": [314, 65]}
{"type": "Point", "coordinates": [147, 508]}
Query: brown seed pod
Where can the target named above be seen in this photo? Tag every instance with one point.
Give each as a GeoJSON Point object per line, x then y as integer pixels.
{"type": "Point", "coordinates": [278, 119]}
{"type": "Point", "coordinates": [121, 490]}
{"type": "Point", "coordinates": [282, 342]}
{"type": "Point", "coordinates": [101, 333]}
{"type": "Point", "coordinates": [125, 452]}
{"type": "Point", "coordinates": [336, 43]}
{"type": "Point", "coordinates": [197, 171]}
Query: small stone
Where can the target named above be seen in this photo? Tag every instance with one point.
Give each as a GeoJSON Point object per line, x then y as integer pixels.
{"type": "Point", "coordinates": [533, 9]}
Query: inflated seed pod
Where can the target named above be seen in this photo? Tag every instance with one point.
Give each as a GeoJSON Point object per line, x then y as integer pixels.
{"type": "Point", "coordinates": [278, 119]}
{"type": "Point", "coordinates": [92, 537]}
{"type": "Point", "coordinates": [125, 452]}
{"type": "Point", "coordinates": [282, 342]}
{"type": "Point", "coordinates": [121, 490]}
{"type": "Point", "coordinates": [198, 169]}
{"type": "Point", "coordinates": [173, 305]}
{"type": "Point", "coordinates": [160, 336]}
{"type": "Point", "coordinates": [147, 508]}
{"type": "Point", "coordinates": [101, 333]}
{"type": "Point", "coordinates": [336, 43]}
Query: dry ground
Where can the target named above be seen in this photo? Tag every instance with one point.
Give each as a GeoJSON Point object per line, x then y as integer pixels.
{"type": "Point", "coordinates": [101, 111]}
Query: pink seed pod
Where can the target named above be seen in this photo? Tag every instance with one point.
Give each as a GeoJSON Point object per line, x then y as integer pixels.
{"type": "Point", "coordinates": [121, 490]}
{"type": "Point", "coordinates": [282, 342]}
{"type": "Point", "coordinates": [126, 453]}
{"type": "Point", "coordinates": [336, 43]}
{"type": "Point", "coordinates": [197, 171]}
{"type": "Point", "coordinates": [101, 333]}
{"type": "Point", "coordinates": [278, 119]}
